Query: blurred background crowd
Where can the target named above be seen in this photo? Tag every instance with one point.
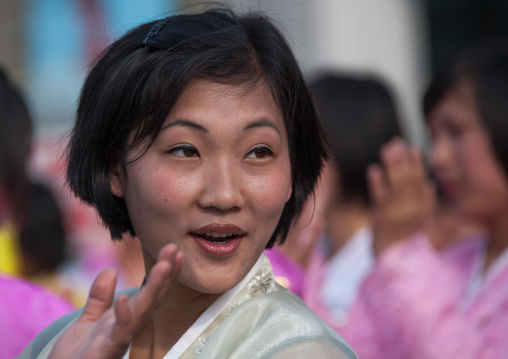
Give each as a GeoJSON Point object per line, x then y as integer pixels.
{"type": "Point", "coordinates": [369, 64]}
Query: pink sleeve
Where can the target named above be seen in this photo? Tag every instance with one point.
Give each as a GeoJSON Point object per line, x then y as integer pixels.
{"type": "Point", "coordinates": [407, 308]}
{"type": "Point", "coordinates": [25, 309]}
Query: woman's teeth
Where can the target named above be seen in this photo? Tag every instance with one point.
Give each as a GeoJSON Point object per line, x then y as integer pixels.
{"type": "Point", "coordinates": [218, 235]}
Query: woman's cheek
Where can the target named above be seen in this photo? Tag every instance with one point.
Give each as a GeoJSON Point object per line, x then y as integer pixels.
{"type": "Point", "coordinates": [273, 191]}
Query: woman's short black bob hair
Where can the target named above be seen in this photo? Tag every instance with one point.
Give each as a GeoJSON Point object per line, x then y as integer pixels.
{"type": "Point", "coordinates": [485, 67]}
{"type": "Point", "coordinates": [358, 115]}
{"type": "Point", "coordinates": [137, 80]}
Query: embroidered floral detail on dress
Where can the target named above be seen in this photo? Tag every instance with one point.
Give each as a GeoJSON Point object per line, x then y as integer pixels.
{"type": "Point", "coordinates": [229, 309]}
{"type": "Point", "coordinates": [262, 282]}
{"type": "Point", "coordinates": [202, 342]}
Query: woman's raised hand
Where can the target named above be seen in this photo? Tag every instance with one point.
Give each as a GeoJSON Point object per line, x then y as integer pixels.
{"type": "Point", "coordinates": [403, 198]}
{"type": "Point", "coordinates": [105, 331]}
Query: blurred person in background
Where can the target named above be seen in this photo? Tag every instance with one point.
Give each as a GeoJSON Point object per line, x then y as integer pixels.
{"type": "Point", "coordinates": [15, 145]}
{"type": "Point", "coordinates": [359, 115]}
{"type": "Point", "coordinates": [329, 251]}
{"type": "Point", "coordinates": [417, 302]}
{"type": "Point", "coordinates": [25, 308]}
{"type": "Point", "coordinates": [43, 245]}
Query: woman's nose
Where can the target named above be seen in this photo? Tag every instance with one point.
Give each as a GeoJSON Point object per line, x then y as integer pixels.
{"type": "Point", "coordinates": [441, 155]}
{"type": "Point", "coordinates": [222, 187]}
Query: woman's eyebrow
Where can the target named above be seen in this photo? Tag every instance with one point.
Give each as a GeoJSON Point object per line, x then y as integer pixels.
{"type": "Point", "coordinates": [262, 123]}
{"type": "Point", "coordinates": [185, 123]}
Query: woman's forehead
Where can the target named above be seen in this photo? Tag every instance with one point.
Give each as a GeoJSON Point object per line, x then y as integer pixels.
{"type": "Point", "coordinates": [244, 101]}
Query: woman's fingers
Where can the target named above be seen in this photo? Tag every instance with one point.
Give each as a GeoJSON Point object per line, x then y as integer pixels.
{"type": "Point", "coordinates": [101, 295]}
{"type": "Point", "coordinates": [103, 331]}
{"type": "Point", "coordinates": [417, 165]}
{"type": "Point", "coordinates": [404, 171]}
{"type": "Point", "coordinates": [396, 164]}
{"type": "Point", "coordinates": [131, 313]}
{"type": "Point", "coordinates": [158, 282]}
{"type": "Point", "coordinates": [418, 175]}
{"type": "Point", "coordinates": [401, 194]}
{"type": "Point", "coordinates": [378, 188]}
{"type": "Point", "coordinates": [123, 329]}
{"type": "Point", "coordinates": [162, 274]}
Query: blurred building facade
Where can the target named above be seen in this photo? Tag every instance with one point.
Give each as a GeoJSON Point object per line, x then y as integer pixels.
{"type": "Point", "coordinates": [384, 38]}
{"type": "Point", "coordinates": [47, 45]}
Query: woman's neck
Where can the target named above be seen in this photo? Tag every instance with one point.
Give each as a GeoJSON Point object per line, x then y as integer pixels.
{"type": "Point", "coordinates": [170, 321]}
{"type": "Point", "coordinates": [179, 309]}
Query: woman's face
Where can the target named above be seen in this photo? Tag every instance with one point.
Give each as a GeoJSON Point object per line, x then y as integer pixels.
{"type": "Point", "coordinates": [463, 157]}
{"type": "Point", "coordinates": [215, 182]}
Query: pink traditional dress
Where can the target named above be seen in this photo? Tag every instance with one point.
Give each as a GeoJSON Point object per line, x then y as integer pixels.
{"type": "Point", "coordinates": [25, 310]}
{"type": "Point", "coordinates": [419, 304]}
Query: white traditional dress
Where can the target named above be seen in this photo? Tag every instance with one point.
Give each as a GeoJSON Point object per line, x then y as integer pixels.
{"type": "Point", "coordinates": [255, 319]}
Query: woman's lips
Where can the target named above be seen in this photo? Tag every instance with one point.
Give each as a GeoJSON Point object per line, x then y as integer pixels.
{"type": "Point", "coordinates": [218, 239]}
{"type": "Point", "coordinates": [218, 249]}
{"type": "Point", "coordinates": [450, 189]}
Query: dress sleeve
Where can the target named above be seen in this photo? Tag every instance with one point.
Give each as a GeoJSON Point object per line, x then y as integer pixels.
{"type": "Point", "coordinates": [408, 308]}
{"type": "Point", "coordinates": [312, 350]}
{"type": "Point", "coordinates": [275, 325]}
{"type": "Point", "coordinates": [40, 346]}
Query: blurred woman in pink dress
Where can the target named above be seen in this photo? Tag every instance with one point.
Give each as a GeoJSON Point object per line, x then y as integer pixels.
{"type": "Point", "coordinates": [25, 308]}
{"type": "Point", "coordinates": [418, 303]}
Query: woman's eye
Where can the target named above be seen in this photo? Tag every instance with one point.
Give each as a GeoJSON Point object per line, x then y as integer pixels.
{"type": "Point", "coordinates": [184, 151]}
{"type": "Point", "coordinates": [456, 131]}
{"type": "Point", "coordinates": [260, 152]}
{"type": "Point", "coordinates": [457, 126]}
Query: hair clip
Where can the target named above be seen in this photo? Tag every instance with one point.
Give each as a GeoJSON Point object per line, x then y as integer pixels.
{"type": "Point", "coordinates": [156, 28]}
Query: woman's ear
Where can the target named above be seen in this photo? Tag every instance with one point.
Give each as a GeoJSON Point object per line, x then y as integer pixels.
{"type": "Point", "coordinates": [116, 175]}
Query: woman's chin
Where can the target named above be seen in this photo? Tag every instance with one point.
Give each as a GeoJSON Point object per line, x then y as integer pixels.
{"type": "Point", "coordinates": [211, 283]}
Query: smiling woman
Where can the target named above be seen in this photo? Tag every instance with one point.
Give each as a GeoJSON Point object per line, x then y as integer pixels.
{"type": "Point", "coordinates": [195, 133]}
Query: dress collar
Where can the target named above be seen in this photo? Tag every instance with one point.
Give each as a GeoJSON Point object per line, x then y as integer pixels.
{"type": "Point", "coordinates": [259, 280]}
